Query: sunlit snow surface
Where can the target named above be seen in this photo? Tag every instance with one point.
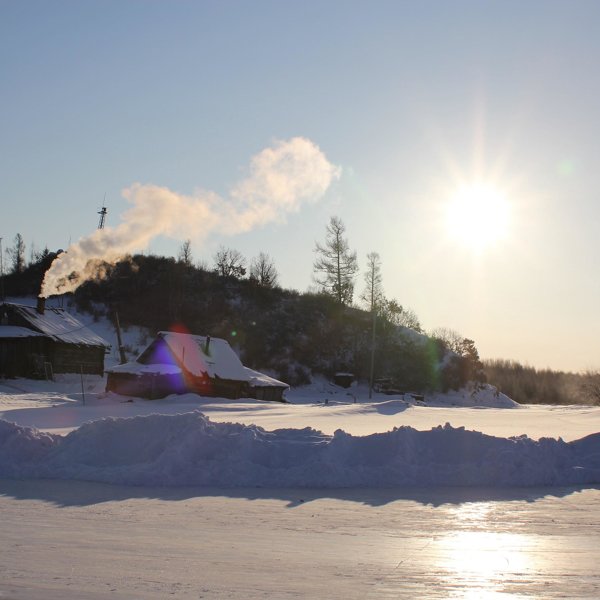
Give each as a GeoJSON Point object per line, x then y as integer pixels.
{"type": "Point", "coordinates": [265, 508]}
{"type": "Point", "coordinates": [190, 449]}
{"type": "Point", "coordinates": [326, 437]}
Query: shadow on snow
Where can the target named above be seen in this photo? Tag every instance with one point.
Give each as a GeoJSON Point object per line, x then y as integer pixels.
{"type": "Point", "coordinates": [66, 493]}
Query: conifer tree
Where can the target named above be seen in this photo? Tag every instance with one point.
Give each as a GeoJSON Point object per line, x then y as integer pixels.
{"type": "Point", "coordinates": [372, 295]}
{"type": "Point", "coordinates": [336, 266]}
{"type": "Point", "coordinates": [17, 254]}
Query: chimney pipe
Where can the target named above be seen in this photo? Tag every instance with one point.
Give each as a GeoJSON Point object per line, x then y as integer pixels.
{"type": "Point", "coordinates": [41, 305]}
{"type": "Point", "coordinates": [207, 345]}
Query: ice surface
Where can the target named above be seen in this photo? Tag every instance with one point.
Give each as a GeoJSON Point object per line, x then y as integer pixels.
{"type": "Point", "coordinates": [72, 540]}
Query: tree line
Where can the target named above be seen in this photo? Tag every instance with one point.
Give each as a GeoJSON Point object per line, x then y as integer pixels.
{"type": "Point", "coordinates": [377, 346]}
{"type": "Point", "coordinates": [527, 385]}
{"type": "Point", "coordinates": [335, 270]}
{"type": "Point", "coordinates": [16, 259]}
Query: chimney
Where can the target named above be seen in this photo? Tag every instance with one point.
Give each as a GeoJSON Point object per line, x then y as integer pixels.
{"type": "Point", "coordinates": [41, 305]}
{"type": "Point", "coordinates": [207, 345]}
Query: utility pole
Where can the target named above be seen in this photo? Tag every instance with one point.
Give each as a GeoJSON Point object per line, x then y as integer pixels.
{"type": "Point", "coordinates": [1, 272]}
{"type": "Point", "coordinates": [123, 358]}
{"type": "Point", "coordinates": [372, 369]}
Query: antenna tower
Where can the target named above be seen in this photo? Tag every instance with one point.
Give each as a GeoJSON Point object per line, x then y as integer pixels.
{"type": "Point", "coordinates": [102, 212]}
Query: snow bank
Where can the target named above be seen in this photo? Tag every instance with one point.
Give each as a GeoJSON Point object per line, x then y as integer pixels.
{"type": "Point", "coordinates": [483, 396]}
{"type": "Point", "coordinates": [471, 396]}
{"type": "Point", "coordinates": [189, 449]}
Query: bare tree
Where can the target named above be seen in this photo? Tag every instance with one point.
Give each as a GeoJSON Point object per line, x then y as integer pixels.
{"type": "Point", "coordinates": [185, 253]}
{"type": "Point", "coordinates": [589, 386]}
{"type": "Point", "coordinates": [398, 315]}
{"type": "Point", "coordinates": [373, 295]}
{"type": "Point", "coordinates": [32, 253]}
{"type": "Point", "coordinates": [336, 266]}
{"type": "Point", "coordinates": [229, 262]}
{"type": "Point", "coordinates": [263, 270]}
{"type": "Point", "coordinates": [451, 339]}
{"type": "Point", "coordinates": [203, 264]}
{"type": "Point", "coordinates": [16, 254]}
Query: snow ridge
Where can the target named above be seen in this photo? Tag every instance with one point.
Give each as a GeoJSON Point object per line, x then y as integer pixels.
{"type": "Point", "coordinates": [190, 449]}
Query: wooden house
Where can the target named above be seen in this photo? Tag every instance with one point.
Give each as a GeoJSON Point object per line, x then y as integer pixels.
{"type": "Point", "coordinates": [175, 363]}
{"type": "Point", "coordinates": [265, 387]}
{"type": "Point", "coordinates": [40, 341]}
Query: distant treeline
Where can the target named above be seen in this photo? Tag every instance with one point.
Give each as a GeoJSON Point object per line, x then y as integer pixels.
{"type": "Point", "coordinates": [528, 385]}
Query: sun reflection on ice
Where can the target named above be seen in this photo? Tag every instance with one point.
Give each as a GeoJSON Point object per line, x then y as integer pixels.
{"type": "Point", "coordinates": [482, 562]}
{"type": "Point", "coordinates": [472, 514]}
{"type": "Point", "coordinates": [479, 563]}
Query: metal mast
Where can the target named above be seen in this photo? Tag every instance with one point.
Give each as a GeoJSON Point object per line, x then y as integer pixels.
{"type": "Point", "coordinates": [102, 212]}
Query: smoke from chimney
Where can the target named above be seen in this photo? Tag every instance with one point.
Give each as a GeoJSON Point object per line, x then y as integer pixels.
{"type": "Point", "coordinates": [281, 178]}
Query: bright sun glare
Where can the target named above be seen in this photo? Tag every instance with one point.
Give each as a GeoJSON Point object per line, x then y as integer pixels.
{"type": "Point", "coordinates": [478, 216]}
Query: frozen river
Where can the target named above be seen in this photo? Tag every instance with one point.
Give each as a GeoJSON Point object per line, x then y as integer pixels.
{"type": "Point", "coordinates": [92, 541]}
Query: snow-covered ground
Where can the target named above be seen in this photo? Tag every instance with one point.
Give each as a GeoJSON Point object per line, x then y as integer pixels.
{"type": "Point", "coordinates": [69, 538]}
{"type": "Point", "coordinates": [324, 437]}
{"type": "Point", "coordinates": [330, 495]}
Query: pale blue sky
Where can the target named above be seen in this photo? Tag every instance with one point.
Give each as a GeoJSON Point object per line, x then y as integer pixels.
{"type": "Point", "coordinates": [408, 98]}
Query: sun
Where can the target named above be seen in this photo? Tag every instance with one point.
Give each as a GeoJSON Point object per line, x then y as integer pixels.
{"type": "Point", "coordinates": [478, 215]}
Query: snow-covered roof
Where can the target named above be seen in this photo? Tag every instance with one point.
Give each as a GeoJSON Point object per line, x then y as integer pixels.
{"type": "Point", "coordinates": [258, 379]}
{"type": "Point", "coordinates": [136, 368]}
{"type": "Point", "coordinates": [12, 331]}
{"type": "Point", "coordinates": [218, 361]}
{"type": "Point", "coordinates": [59, 325]}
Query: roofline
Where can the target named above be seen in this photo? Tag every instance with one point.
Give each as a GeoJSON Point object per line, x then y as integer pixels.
{"type": "Point", "coordinates": [58, 337]}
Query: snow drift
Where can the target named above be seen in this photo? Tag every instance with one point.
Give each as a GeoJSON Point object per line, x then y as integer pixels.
{"type": "Point", "coordinates": [189, 449]}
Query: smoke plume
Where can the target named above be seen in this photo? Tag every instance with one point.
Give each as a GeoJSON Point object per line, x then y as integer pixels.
{"type": "Point", "coordinates": [280, 179]}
